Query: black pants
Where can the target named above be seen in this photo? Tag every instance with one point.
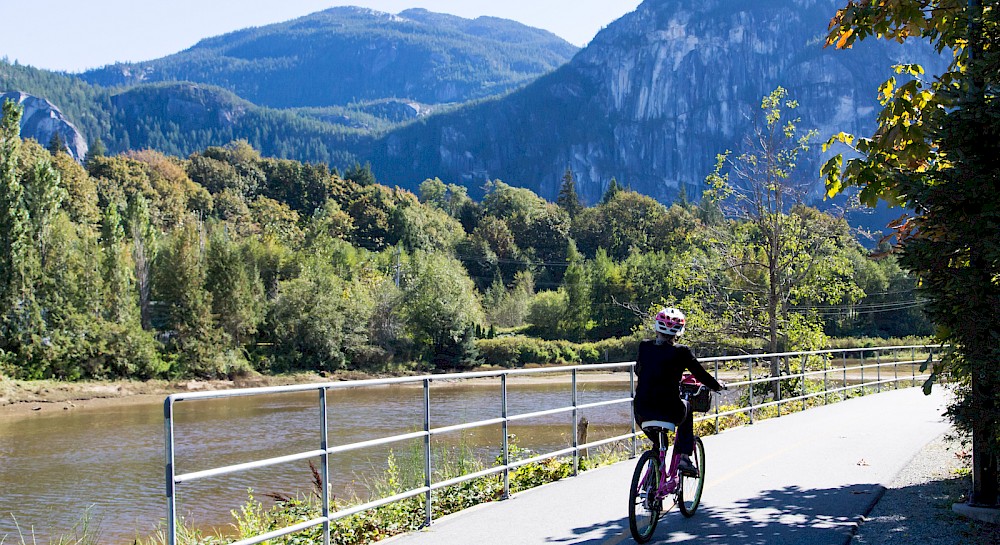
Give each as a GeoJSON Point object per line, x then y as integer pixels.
{"type": "Point", "coordinates": [684, 436]}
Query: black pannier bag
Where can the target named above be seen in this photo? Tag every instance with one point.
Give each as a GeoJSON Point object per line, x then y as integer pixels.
{"type": "Point", "coordinates": [700, 395]}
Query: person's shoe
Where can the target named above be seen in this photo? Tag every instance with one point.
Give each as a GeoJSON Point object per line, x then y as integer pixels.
{"type": "Point", "coordinates": [685, 467]}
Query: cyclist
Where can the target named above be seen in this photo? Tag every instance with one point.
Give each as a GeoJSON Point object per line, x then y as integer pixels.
{"type": "Point", "coordinates": [659, 367]}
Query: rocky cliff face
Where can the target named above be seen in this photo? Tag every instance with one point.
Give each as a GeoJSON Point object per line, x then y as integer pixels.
{"type": "Point", "coordinates": [653, 99]}
{"type": "Point", "coordinates": [42, 120]}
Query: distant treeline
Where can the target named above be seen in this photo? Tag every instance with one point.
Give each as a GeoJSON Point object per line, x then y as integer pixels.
{"type": "Point", "coordinates": [144, 265]}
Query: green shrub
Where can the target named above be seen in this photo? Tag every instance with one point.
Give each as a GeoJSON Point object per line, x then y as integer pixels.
{"type": "Point", "coordinates": [501, 351]}
{"type": "Point", "coordinates": [547, 311]}
{"type": "Point", "coordinates": [876, 342]}
{"type": "Point", "coordinates": [517, 351]}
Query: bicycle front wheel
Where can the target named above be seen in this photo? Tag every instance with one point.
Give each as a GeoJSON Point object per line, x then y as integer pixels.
{"type": "Point", "coordinates": [691, 485]}
{"type": "Point", "coordinates": [643, 505]}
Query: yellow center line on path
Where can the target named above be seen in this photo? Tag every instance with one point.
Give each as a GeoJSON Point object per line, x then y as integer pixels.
{"type": "Point", "coordinates": [715, 482]}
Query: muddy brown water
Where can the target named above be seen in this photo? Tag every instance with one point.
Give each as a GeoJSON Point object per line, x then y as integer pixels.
{"type": "Point", "coordinates": [109, 461]}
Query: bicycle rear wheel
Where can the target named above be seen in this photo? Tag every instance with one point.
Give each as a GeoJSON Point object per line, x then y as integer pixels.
{"type": "Point", "coordinates": [643, 505]}
{"type": "Point", "coordinates": [691, 486]}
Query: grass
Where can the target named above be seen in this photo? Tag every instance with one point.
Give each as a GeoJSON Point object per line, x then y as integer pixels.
{"type": "Point", "coordinates": [404, 471]}
{"type": "Point", "coordinates": [86, 531]}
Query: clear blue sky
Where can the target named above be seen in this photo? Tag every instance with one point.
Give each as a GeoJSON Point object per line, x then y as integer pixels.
{"type": "Point", "coordinates": [74, 35]}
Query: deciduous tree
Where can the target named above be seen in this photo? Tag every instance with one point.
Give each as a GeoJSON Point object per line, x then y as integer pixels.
{"type": "Point", "coordinates": [770, 251]}
{"type": "Point", "coordinates": [935, 152]}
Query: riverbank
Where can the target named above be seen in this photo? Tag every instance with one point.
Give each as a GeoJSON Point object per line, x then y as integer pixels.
{"type": "Point", "coordinates": [20, 398]}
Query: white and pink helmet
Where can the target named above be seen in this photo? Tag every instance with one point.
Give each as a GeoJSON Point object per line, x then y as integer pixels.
{"type": "Point", "coordinates": [669, 321]}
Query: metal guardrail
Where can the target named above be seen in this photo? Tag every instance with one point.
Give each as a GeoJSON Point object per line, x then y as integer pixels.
{"type": "Point", "coordinates": [729, 364]}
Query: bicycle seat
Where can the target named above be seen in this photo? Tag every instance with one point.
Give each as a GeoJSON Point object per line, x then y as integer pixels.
{"type": "Point", "coordinates": [657, 425]}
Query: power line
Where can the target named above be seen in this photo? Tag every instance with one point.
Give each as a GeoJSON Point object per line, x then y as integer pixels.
{"type": "Point", "coordinates": [859, 306]}
{"type": "Point", "coordinates": [906, 305]}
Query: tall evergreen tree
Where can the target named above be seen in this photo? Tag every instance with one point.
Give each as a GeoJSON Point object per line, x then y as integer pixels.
{"type": "Point", "coordinates": [20, 316]}
{"type": "Point", "coordinates": [568, 200]}
{"type": "Point", "coordinates": [682, 195]}
{"type": "Point", "coordinates": [576, 322]}
{"type": "Point", "coordinates": [95, 150]}
{"type": "Point", "coordinates": [14, 221]}
{"type": "Point", "coordinates": [56, 144]}
{"type": "Point", "coordinates": [180, 285]}
{"type": "Point", "coordinates": [467, 352]}
{"type": "Point", "coordinates": [361, 175]}
{"type": "Point", "coordinates": [613, 189]}
{"type": "Point", "coordinates": [236, 288]}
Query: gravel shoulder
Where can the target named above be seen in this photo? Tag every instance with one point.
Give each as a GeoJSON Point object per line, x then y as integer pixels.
{"type": "Point", "coordinates": [917, 504]}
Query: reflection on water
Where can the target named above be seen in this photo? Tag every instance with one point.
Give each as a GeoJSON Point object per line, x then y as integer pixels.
{"type": "Point", "coordinates": [53, 467]}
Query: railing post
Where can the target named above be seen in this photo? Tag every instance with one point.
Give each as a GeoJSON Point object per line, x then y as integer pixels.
{"type": "Point", "coordinates": [168, 425]}
{"type": "Point", "coordinates": [717, 398]}
{"type": "Point", "coordinates": [803, 379]}
{"type": "Point", "coordinates": [325, 463]}
{"type": "Point", "coordinates": [576, 430]}
{"type": "Point", "coordinates": [777, 389]}
{"type": "Point", "coordinates": [895, 370]}
{"type": "Point", "coordinates": [913, 367]}
{"type": "Point", "coordinates": [862, 372]}
{"type": "Point", "coordinates": [826, 382]}
{"type": "Point", "coordinates": [878, 371]}
{"type": "Point", "coordinates": [506, 433]}
{"type": "Point", "coordinates": [750, 380]}
{"type": "Point", "coordinates": [843, 393]}
{"type": "Point", "coordinates": [631, 388]}
{"type": "Point", "coordinates": [429, 511]}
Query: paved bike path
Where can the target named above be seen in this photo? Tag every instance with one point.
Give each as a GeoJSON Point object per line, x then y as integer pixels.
{"type": "Point", "coordinates": [801, 478]}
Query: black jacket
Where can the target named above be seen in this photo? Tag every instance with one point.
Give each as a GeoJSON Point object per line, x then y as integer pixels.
{"type": "Point", "coordinates": [659, 368]}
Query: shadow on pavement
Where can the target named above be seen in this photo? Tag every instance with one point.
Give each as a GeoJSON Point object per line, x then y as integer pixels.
{"type": "Point", "coordinates": [786, 516]}
{"type": "Point", "coordinates": [599, 533]}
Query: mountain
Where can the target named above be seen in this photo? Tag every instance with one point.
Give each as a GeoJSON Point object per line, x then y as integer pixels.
{"type": "Point", "coordinates": [42, 121]}
{"type": "Point", "coordinates": [181, 118]}
{"type": "Point", "coordinates": [178, 118]}
{"type": "Point", "coordinates": [652, 100]}
{"type": "Point", "coordinates": [347, 54]}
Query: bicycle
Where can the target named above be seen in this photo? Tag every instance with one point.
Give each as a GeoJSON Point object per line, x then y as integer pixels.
{"type": "Point", "coordinates": [657, 488]}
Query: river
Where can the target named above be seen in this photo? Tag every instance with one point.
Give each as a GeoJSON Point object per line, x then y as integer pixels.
{"type": "Point", "coordinates": [109, 461]}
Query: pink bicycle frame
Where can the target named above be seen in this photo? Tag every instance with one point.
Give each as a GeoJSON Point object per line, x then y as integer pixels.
{"type": "Point", "coordinates": [668, 485]}
{"type": "Point", "coordinates": [668, 478]}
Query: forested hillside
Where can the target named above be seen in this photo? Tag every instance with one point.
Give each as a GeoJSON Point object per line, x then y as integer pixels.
{"type": "Point", "coordinates": [345, 55]}
{"type": "Point", "coordinates": [181, 118]}
{"type": "Point", "coordinates": [226, 263]}
{"type": "Point", "coordinates": [87, 106]}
